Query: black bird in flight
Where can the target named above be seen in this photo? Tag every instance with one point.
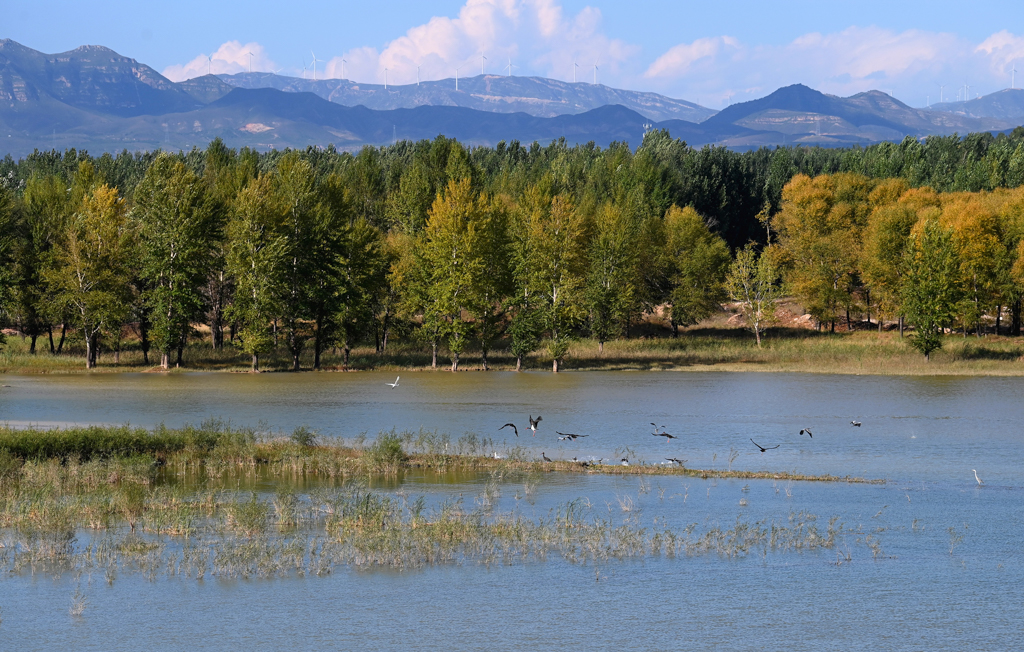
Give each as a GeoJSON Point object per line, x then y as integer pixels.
{"type": "Point", "coordinates": [855, 423]}
{"type": "Point", "coordinates": [534, 423]}
{"type": "Point", "coordinates": [762, 448]}
{"type": "Point", "coordinates": [569, 436]}
{"type": "Point", "coordinates": [544, 457]}
{"type": "Point", "coordinates": [510, 425]}
{"type": "Point", "coordinates": [807, 431]}
{"type": "Point", "coordinates": [677, 461]}
{"type": "Point", "coordinates": [665, 435]}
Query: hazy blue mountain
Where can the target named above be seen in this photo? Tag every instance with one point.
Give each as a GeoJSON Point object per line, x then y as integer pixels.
{"type": "Point", "coordinates": [1007, 104]}
{"type": "Point", "coordinates": [501, 94]}
{"type": "Point", "coordinates": [92, 77]}
{"type": "Point", "coordinates": [96, 99]}
{"type": "Point", "coordinates": [804, 115]}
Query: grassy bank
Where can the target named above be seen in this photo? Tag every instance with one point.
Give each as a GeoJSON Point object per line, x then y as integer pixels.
{"type": "Point", "coordinates": [716, 348]}
{"type": "Point", "coordinates": [213, 501]}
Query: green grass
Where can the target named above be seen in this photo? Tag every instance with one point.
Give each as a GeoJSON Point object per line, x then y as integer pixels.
{"type": "Point", "coordinates": [711, 347]}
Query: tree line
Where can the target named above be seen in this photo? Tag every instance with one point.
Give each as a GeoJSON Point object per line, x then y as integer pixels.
{"type": "Point", "coordinates": [448, 245]}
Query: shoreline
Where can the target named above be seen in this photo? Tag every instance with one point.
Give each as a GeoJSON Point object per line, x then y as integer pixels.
{"type": "Point", "coordinates": [698, 350]}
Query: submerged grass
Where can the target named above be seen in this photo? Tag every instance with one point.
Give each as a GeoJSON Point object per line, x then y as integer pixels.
{"type": "Point", "coordinates": [180, 508]}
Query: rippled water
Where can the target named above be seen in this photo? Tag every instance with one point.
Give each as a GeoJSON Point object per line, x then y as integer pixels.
{"type": "Point", "coordinates": [923, 435]}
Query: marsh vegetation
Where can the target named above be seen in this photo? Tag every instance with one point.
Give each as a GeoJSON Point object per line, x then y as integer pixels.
{"type": "Point", "coordinates": [215, 501]}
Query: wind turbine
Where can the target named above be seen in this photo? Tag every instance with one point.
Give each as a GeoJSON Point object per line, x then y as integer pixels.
{"type": "Point", "coordinates": [510, 66]}
{"type": "Point", "coordinates": [343, 62]}
{"type": "Point", "coordinates": [595, 73]}
{"type": "Point", "coordinates": [457, 75]}
{"type": "Point", "coordinates": [314, 65]}
{"type": "Point", "coordinates": [482, 59]}
{"type": "Point", "coordinates": [417, 75]}
{"type": "Point", "coordinates": [209, 70]}
{"type": "Point", "coordinates": [250, 60]}
{"type": "Point", "coordinates": [385, 79]}
{"type": "Point", "coordinates": [574, 67]}
{"type": "Point", "coordinates": [941, 86]}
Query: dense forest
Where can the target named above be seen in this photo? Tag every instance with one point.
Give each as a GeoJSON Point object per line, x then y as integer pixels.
{"type": "Point", "coordinates": [531, 247]}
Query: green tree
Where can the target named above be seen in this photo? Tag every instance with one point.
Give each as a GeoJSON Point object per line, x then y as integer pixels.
{"type": "Point", "coordinates": [557, 268]}
{"type": "Point", "coordinates": [180, 226]}
{"type": "Point", "coordinates": [257, 260]}
{"type": "Point", "coordinates": [91, 266]}
{"type": "Point", "coordinates": [297, 197]}
{"type": "Point", "coordinates": [699, 262]}
{"type": "Point", "coordinates": [931, 287]}
{"type": "Point", "coordinates": [754, 282]}
{"type": "Point", "coordinates": [8, 243]}
{"type": "Point", "coordinates": [611, 291]}
{"type": "Point", "coordinates": [453, 255]}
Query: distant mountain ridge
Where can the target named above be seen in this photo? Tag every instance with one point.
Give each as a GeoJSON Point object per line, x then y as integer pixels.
{"type": "Point", "coordinates": [96, 99]}
{"type": "Point", "coordinates": [1007, 104]}
{"type": "Point", "coordinates": [537, 96]}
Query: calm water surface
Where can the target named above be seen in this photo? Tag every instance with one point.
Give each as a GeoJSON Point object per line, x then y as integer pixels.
{"type": "Point", "coordinates": [923, 435]}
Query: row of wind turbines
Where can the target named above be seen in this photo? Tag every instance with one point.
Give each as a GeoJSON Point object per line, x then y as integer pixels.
{"type": "Point", "coordinates": [963, 93]}
{"type": "Point", "coordinates": [483, 68]}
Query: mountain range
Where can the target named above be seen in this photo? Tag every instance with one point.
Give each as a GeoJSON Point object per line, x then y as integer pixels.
{"type": "Point", "coordinates": [94, 98]}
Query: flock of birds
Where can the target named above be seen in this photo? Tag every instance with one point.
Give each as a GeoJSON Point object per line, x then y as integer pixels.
{"type": "Point", "coordinates": [659, 431]}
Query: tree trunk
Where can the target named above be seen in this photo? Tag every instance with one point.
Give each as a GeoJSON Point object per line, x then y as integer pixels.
{"type": "Point", "coordinates": [433, 359]}
{"type": "Point", "coordinates": [32, 344]}
{"type": "Point", "coordinates": [256, 362]}
{"type": "Point", "coordinates": [295, 361]}
{"type": "Point", "coordinates": [63, 333]}
{"type": "Point", "coordinates": [675, 329]}
{"type": "Point", "coordinates": [275, 333]}
{"type": "Point", "coordinates": [483, 355]}
{"type": "Point", "coordinates": [901, 326]}
{"type": "Point", "coordinates": [181, 349]}
{"type": "Point", "coordinates": [849, 326]}
{"type": "Point", "coordinates": [519, 363]}
{"type": "Point", "coordinates": [554, 365]}
{"type": "Point", "coordinates": [318, 343]}
{"type": "Point", "coordinates": [165, 360]}
{"type": "Point", "coordinates": [49, 331]}
{"type": "Point", "coordinates": [600, 347]}
{"type": "Point", "coordinates": [385, 331]}
{"type": "Point", "coordinates": [999, 315]}
{"type": "Point", "coordinates": [344, 364]}
{"type": "Point", "coordinates": [89, 346]}
{"type": "Point", "coordinates": [143, 334]}
{"type": "Point", "coordinates": [455, 361]}
{"type": "Point", "coordinates": [1015, 318]}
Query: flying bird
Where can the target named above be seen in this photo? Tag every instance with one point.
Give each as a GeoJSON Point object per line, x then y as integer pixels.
{"type": "Point", "coordinates": [677, 461]}
{"type": "Point", "coordinates": [977, 478]}
{"type": "Point", "coordinates": [534, 423]}
{"type": "Point", "coordinates": [763, 448]}
{"type": "Point", "coordinates": [568, 435]}
{"type": "Point", "coordinates": [807, 431]}
{"type": "Point", "coordinates": [394, 384]}
{"type": "Point", "coordinates": [510, 425]}
{"type": "Point", "coordinates": [665, 435]}
{"type": "Point", "coordinates": [657, 428]}
{"type": "Point", "coordinates": [544, 457]}
{"type": "Point", "coordinates": [855, 423]}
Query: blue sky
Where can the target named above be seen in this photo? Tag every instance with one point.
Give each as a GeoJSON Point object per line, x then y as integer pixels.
{"type": "Point", "coordinates": [714, 53]}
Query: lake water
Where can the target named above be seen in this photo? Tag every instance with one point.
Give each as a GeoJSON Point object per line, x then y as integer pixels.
{"type": "Point", "coordinates": [922, 435]}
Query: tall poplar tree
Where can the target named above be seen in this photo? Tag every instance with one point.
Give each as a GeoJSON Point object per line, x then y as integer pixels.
{"type": "Point", "coordinates": [180, 226]}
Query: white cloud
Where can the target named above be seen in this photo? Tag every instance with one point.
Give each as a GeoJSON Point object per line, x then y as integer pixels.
{"type": "Point", "coordinates": [535, 34]}
{"type": "Point", "coordinates": [229, 58]}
